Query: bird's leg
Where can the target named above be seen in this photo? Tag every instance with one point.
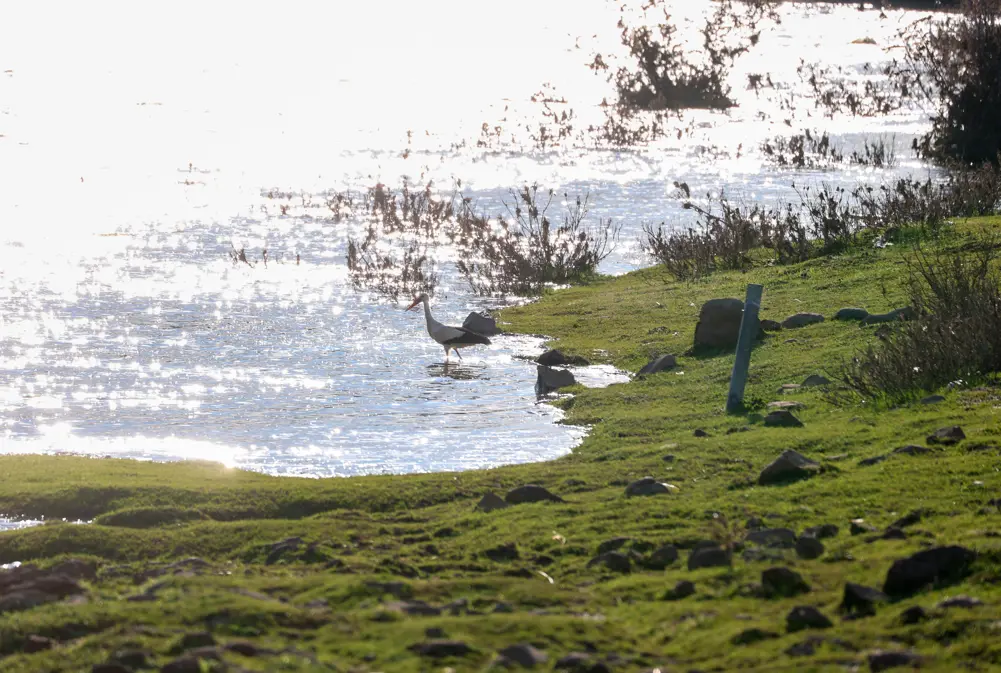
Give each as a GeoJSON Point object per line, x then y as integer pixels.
{"type": "Point", "coordinates": [458, 353]}
{"type": "Point", "coordinates": [447, 349]}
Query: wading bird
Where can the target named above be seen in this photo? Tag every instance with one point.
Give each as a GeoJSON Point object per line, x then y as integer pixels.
{"type": "Point", "coordinates": [451, 338]}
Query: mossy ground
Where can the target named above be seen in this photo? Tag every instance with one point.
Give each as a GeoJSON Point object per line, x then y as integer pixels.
{"type": "Point", "coordinates": [380, 539]}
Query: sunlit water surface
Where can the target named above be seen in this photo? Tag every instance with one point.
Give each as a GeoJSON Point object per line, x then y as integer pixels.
{"type": "Point", "coordinates": [133, 161]}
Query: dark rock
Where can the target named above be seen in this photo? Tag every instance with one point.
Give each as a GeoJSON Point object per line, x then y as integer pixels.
{"type": "Point", "coordinates": [524, 655]}
{"type": "Point", "coordinates": [190, 641]}
{"type": "Point", "coordinates": [861, 600]}
{"type": "Point", "coordinates": [806, 617]}
{"type": "Point", "coordinates": [763, 555]}
{"type": "Point", "coordinates": [801, 320]}
{"type": "Point", "coordinates": [897, 315]}
{"type": "Point", "coordinates": [17, 601]}
{"type": "Point", "coordinates": [279, 550]}
{"type": "Point", "coordinates": [822, 532]}
{"type": "Point", "coordinates": [503, 608]}
{"type": "Point", "coordinates": [851, 314]}
{"type": "Point", "coordinates": [35, 643]}
{"type": "Point", "coordinates": [815, 380]}
{"type": "Point", "coordinates": [699, 432]}
{"type": "Point", "coordinates": [786, 404]}
{"type": "Point", "coordinates": [245, 648]}
{"type": "Point", "coordinates": [787, 388]}
{"type": "Point", "coordinates": [490, 502]}
{"type": "Point", "coordinates": [614, 560]}
{"type": "Point", "coordinates": [751, 636]}
{"type": "Point", "coordinates": [614, 544]}
{"type": "Point", "coordinates": [931, 566]}
{"type": "Point", "coordinates": [190, 664]}
{"type": "Point", "coordinates": [881, 660]}
{"type": "Point", "coordinates": [909, 519]}
{"type": "Point", "coordinates": [913, 615]}
{"type": "Point", "coordinates": [912, 450]}
{"type": "Point", "coordinates": [809, 548]}
{"type": "Point", "coordinates": [807, 648]}
{"type": "Point", "coordinates": [434, 632]}
{"type": "Point", "coordinates": [414, 608]}
{"type": "Point", "coordinates": [682, 589]}
{"type": "Point", "coordinates": [555, 358]}
{"type": "Point", "coordinates": [754, 523]}
{"type": "Point", "coordinates": [967, 602]}
{"type": "Point", "coordinates": [782, 582]}
{"type": "Point", "coordinates": [575, 661]}
{"type": "Point", "coordinates": [133, 658]}
{"type": "Point", "coordinates": [549, 379]}
{"type": "Point", "coordinates": [860, 527]}
{"type": "Point", "coordinates": [773, 537]}
{"type": "Point", "coordinates": [481, 323]}
{"type": "Point", "coordinates": [504, 552]}
{"type": "Point", "coordinates": [733, 431]}
{"type": "Point", "coordinates": [441, 648]}
{"type": "Point", "coordinates": [107, 667]}
{"type": "Point", "coordinates": [709, 557]}
{"type": "Point", "coordinates": [719, 324]}
{"type": "Point", "coordinates": [892, 533]}
{"type": "Point", "coordinates": [782, 418]}
{"type": "Point", "coordinates": [866, 462]}
{"type": "Point", "coordinates": [770, 325]}
{"type": "Point", "coordinates": [75, 569]}
{"type": "Point", "coordinates": [789, 466]}
{"type": "Point", "coordinates": [662, 557]}
{"type": "Point", "coordinates": [661, 363]}
{"type": "Point", "coordinates": [530, 493]}
{"type": "Point", "coordinates": [947, 436]}
{"type": "Point", "coordinates": [647, 486]}
{"type": "Point", "coordinates": [933, 399]}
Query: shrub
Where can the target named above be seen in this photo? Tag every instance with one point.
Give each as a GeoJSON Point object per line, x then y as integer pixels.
{"type": "Point", "coordinates": [957, 297]}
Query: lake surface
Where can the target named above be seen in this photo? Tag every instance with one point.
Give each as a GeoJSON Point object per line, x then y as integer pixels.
{"type": "Point", "coordinates": [133, 161]}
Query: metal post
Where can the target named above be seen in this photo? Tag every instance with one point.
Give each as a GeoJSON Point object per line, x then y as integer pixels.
{"type": "Point", "coordinates": [748, 331]}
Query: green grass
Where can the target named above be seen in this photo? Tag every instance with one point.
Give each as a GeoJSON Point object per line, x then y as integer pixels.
{"type": "Point", "coordinates": [418, 537]}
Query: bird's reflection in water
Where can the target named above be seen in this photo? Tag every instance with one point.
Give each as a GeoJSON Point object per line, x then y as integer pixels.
{"type": "Point", "coordinates": [459, 372]}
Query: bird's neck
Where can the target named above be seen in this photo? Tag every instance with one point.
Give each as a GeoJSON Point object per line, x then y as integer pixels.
{"type": "Point", "coordinates": [428, 317]}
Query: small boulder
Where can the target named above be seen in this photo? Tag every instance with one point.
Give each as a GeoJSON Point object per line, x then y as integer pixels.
{"type": "Point", "coordinates": [661, 363]}
{"type": "Point", "coordinates": [648, 486]}
{"type": "Point", "coordinates": [614, 544]}
{"type": "Point", "coordinates": [699, 432]}
{"type": "Point", "coordinates": [719, 324]}
{"type": "Point", "coordinates": [787, 388]}
{"type": "Point", "coordinates": [35, 643]}
{"type": "Point", "coordinates": [861, 600]}
{"type": "Point", "coordinates": [861, 527]}
{"type": "Point", "coordinates": [682, 589]}
{"type": "Point", "coordinates": [524, 655]}
{"type": "Point", "coordinates": [882, 660]}
{"type": "Point", "coordinates": [913, 615]}
{"type": "Point", "coordinates": [782, 582]}
{"type": "Point", "coordinates": [709, 557]}
{"type": "Point", "coordinates": [193, 640]}
{"type": "Point", "coordinates": [821, 532]}
{"type": "Point", "coordinates": [550, 379]}
{"type": "Point", "coordinates": [933, 399]}
{"type": "Point", "coordinates": [786, 404]}
{"type": "Point", "coordinates": [782, 418]}
{"type": "Point", "coordinates": [967, 602]}
{"type": "Point", "coordinates": [897, 315]}
{"type": "Point", "coordinates": [784, 538]}
{"type": "Point", "coordinates": [662, 557]}
{"type": "Point", "coordinates": [814, 380]}
{"type": "Point", "coordinates": [931, 566]}
{"type": "Point", "coordinates": [809, 548]}
{"type": "Point", "coordinates": [555, 358]}
{"type": "Point", "coordinates": [770, 325]}
{"type": "Point", "coordinates": [530, 493]}
{"type": "Point", "coordinates": [441, 648]}
{"type": "Point", "coordinates": [577, 662]}
{"type": "Point", "coordinates": [490, 502]}
{"type": "Point", "coordinates": [802, 320]}
{"type": "Point", "coordinates": [106, 667]}
{"type": "Point", "coordinates": [789, 466]}
{"type": "Point", "coordinates": [947, 436]}
{"type": "Point", "coordinates": [851, 314]}
{"type": "Point", "coordinates": [504, 552]}
{"type": "Point", "coordinates": [481, 323]}
{"type": "Point", "coordinates": [806, 617]}
{"type": "Point", "coordinates": [752, 635]}
{"type": "Point", "coordinates": [909, 519]}
{"type": "Point", "coordinates": [615, 561]}
{"type": "Point", "coordinates": [912, 450]}
{"type": "Point", "coordinates": [873, 460]}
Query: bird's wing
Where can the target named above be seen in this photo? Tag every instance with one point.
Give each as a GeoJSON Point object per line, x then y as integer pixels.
{"type": "Point", "coordinates": [460, 336]}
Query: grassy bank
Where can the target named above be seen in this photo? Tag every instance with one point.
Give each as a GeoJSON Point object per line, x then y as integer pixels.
{"type": "Point", "coordinates": [339, 598]}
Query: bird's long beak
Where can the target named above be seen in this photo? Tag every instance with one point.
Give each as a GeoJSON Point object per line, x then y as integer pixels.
{"type": "Point", "coordinates": [414, 305]}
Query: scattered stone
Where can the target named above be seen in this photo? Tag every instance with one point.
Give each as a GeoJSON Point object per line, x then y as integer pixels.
{"type": "Point", "coordinates": [614, 544]}
{"type": "Point", "coordinates": [709, 557]}
{"type": "Point", "coordinates": [575, 661]}
{"type": "Point", "coordinates": [787, 388]}
{"type": "Point", "coordinates": [530, 493]}
{"type": "Point", "coordinates": [524, 655]}
{"type": "Point", "coordinates": [132, 658]}
{"type": "Point", "coordinates": [782, 418]}
{"type": "Point", "coordinates": [860, 527]}
{"type": "Point", "coordinates": [913, 615]}
{"type": "Point", "coordinates": [809, 548]}
{"type": "Point", "coordinates": [892, 533]}
{"type": "Point", "coordinates": [807, 648]}
{"type": "Point", "coordinates": [648, 486]}
{"type": "Point", "coordinates": [770, 325]}
{"type": "Point", "coordinates": [851, 314]}
{"type": "Point", "coordinates": [909, 519]}
{"type": "Point", "coordinates": [881, 660]}
{"type": "Point", "coordinates": [982, 446]}
{"type": "Point", "coordinates": [933, 399]}
{"type": "Point", "coordinates": [503, 608]}
{"type": "Point", "coordinates": [967, 602]}
{"type": "Point", "coordinates": [791, 341]}
{"type": "Point", "coordinates": [245, 648]}
{"type": "Point", "coordinates": [751, 636]}
{"type": "Point", "coordinates": [789, 466]}
{"type": "Point", "coordinates": [815, 380]}
{"type": "Point", "coordinates": [682, 589]}
{"type": "Point", "coordinates": [861, 600]}
{"type": "Point", "coordinates": [481, 323]}
{"type": "Point", "coordinates": [822, 532]}
{"type": "Point", "coordinates": [549, 379]}
{"type": "Point", "coordinates": [719, 324]}
{"type": "Point", "coordinates": [806, 617]}
{"type": "Point", "coordinates": [754, 523]}
{"type": "Point", "coordinates": [441, 648]}
{"type": "Point", "coordinates": [555, 358]}
{"type": "Point", "coordinates": [905, 313]}
{"type": "Point", "coordinates": [802, 320]}
{"type": "Point", "coordinates": [77, 569]}
{"type": "Point", "coordinates": [912, 450]}
{"type": "Point", "coordinates": [931, 566]}
{"type": "Point", "coordinates": [194, 640]}
{"type": "Point", "coordinates": [615, 561]}
{"type": "Point", "coordinates": [773, 537]}
{"type": "Point", "coordinates": [190, 664]}
{"type": "Point", "coordinates": [106, 667]}
{"type": "Point", "coordinates": [490, 502]}
{"type": "Point", "coordinates": [699, 432]}
{"type": "Point", "coordinates": [733, 431]}
{"type": "Point", "coordinates": [662, 557]}
{"type": "Point", "coordinates": [866, 462]}
{"type": "Point", "coordinates": [661, 363]}
{"type": "Point", "coordinates": [947, 436]}
{"type": "Point", "coordinates": [35, 643]}
{"type": "Point", "coordinates": [504, 552]}
{"type": "Point", "coordinates": [782, 582]}
{"type": "Point", "coordinates": [786, 404]}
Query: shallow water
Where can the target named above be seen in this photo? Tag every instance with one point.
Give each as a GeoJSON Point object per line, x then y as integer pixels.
{"type": "Point", "coordinates": [132, 169]}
